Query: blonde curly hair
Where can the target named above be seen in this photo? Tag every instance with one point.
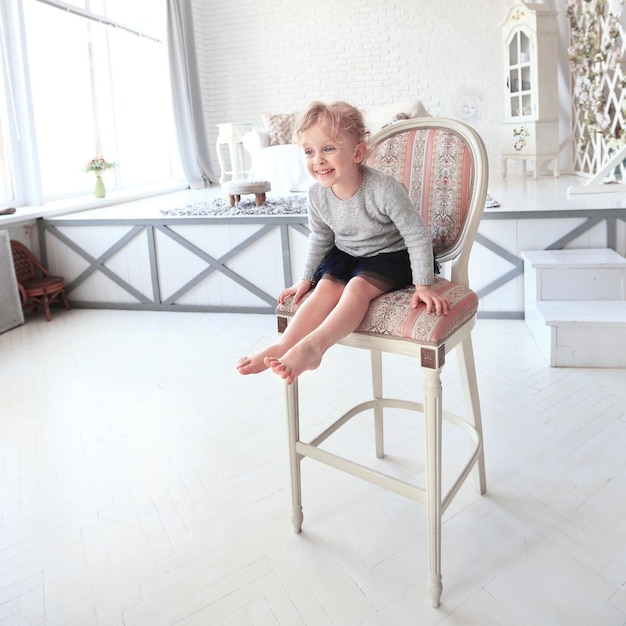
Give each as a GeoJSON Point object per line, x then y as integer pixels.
{"type": "Point", "coordinates": [339, 117]}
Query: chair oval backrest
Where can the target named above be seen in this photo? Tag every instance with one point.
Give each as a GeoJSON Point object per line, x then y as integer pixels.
{"type": "Point", "coordinates": [22, 261]}
{"type": "Point", "coordinates": [443, 165]}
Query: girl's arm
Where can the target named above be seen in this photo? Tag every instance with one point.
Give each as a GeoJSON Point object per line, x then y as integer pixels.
{"type": "Point", "coordinates": [407, 219]}
{"type": "Point", "coordinates": [417, 239]}
{"type": "Point", "coordinates": [320, 241]}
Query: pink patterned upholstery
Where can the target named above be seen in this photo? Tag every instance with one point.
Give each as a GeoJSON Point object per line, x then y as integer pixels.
{"type": "Point", "coordinates": [392, 316]}
{"type": "Point", "coordinates": [435, 166]}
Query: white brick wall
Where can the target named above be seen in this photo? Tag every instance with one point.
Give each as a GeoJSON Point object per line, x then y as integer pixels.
{"type": "Point", "coordinates": [258, 56]}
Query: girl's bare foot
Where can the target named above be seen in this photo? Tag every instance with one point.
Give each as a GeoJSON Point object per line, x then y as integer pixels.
{"type": "Point", "coordinates": [302, 357]}
{"type": "Point", "coordinates": [256, 363]}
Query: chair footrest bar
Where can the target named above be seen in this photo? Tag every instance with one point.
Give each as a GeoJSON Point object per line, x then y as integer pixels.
{"type": "Point", "coordinates": [360, 408]}
{"type": "Point", "coordinates": [473, 459]}
{"type": "Point", "coordinates": [381, 479]}
{"type": "Point", "coordinates": [361, 471]}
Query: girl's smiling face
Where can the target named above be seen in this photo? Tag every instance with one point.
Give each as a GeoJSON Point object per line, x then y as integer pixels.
{"type": "Point", "coordinates": [334, 162]}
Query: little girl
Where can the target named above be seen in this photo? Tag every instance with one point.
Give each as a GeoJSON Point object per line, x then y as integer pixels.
{"type": "Point", "coordinates": [367, 238]}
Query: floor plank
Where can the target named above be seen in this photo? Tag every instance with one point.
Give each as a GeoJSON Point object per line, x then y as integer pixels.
{"type": "Point", "coordinates": [143, 481]}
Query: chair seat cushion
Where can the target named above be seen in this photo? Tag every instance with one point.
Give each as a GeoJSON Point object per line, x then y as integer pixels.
{"type": "Point", "coordinates": [391, 315]}
{"type": "Point", "coordinates": [44, 284]}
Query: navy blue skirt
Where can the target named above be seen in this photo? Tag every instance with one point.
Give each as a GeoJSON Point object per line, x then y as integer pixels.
{"type": "Point", "coordinates": [387, 270]}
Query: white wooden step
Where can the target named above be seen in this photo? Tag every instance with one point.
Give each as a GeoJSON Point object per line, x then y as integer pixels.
{"type": "Point", "coordinates": [563, 312]}
{"type": "Point", "coordinates": [591, 274]}
{"type": "Point", "coordinates": [575, 306]}
{"type": "Point", "coordinates": [581, 334]}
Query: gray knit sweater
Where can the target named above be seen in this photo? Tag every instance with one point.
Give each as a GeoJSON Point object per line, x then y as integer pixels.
{"type": "Point", "coordinates": [380, 217]}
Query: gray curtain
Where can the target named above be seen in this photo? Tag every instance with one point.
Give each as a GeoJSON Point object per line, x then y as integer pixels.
{"type": "Point", "coordinates": [190, 129]}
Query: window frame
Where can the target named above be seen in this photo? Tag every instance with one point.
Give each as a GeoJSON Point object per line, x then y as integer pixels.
{"type": "Point", "coordinates": [20, 138]}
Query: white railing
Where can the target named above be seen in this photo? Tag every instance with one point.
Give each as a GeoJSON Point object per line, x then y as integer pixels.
{"type": "Point", "coordinates": [609, 178]}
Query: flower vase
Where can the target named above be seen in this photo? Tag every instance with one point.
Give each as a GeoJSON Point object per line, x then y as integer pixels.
{"type": "Point", "coordinates": [99, 190]}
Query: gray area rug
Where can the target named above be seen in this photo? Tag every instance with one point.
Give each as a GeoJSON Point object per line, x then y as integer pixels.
{"type": "Point", "coordinates": [279, 205]}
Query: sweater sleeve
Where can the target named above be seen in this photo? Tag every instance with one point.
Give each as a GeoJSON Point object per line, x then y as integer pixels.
{"type": "Point", "coordinates": [321, 239]}
{"type": "Point", "coordinates": [394, 197]}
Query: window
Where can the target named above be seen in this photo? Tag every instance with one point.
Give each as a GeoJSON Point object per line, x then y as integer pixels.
{"type": "Point", "coordinates": [6, 186]}
{"type": "Point", "coordinates": [96, 84]}
{"type": "Point", "coordinates": [6, 176]}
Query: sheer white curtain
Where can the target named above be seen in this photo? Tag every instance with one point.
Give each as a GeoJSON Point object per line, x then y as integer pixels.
{"type": "Point", "coordinates": [187, 100]}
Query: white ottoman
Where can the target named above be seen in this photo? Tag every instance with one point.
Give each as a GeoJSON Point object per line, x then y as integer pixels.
{"type": "Point", "coordinates": [237, 188]}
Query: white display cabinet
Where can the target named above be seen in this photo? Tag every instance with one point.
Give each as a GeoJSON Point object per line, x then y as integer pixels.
{"type": "Point", "coordinates": [531, 118]}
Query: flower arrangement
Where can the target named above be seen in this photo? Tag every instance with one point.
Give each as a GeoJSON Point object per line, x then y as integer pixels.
{"type": "Point", "coordinates": [98, 164]}
{"type": "Point", "coordinates": [592, 53]}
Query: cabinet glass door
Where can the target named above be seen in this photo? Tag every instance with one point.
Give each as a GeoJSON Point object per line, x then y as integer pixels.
{"type": "Point", "coordinates": [519, 78]}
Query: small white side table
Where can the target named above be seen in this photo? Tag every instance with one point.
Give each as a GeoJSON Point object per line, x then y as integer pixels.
{"type": "Point", "coordinates": [231, 135]}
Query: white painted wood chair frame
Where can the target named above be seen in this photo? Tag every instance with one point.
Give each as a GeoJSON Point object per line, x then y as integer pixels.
{"type": "Point", "coordinates": [431, 359]}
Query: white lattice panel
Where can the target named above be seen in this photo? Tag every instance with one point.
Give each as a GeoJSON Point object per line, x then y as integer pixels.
{"type": "Point", "coordinates": [591, 152]}
{"type": "Point", "coordinates": [11, 314]}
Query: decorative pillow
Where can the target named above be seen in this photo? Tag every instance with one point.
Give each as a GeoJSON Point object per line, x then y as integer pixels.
{"type": "Point", "coordinates": [380, 116]}
{"type": "Point", "coordinates": [280, 127]}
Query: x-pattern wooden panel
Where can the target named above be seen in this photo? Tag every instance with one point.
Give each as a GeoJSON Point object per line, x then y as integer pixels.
{"type": "Point", "coordinates": [149, 228]}
{"type": "Point", "coordinates": [590, 218]}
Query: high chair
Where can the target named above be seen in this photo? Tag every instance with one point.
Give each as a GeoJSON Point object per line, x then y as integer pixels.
{"type": "Point", "coordinates": [443, 164]}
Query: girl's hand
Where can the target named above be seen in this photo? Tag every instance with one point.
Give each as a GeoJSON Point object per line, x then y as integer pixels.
{"type": "Point", "coordinates": [297, 291]}
{"type": "Point", "coordinates": [433, 301]}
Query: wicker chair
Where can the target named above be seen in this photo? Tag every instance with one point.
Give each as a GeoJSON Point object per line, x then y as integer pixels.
{"type": "Point", "coordinates": [35, 282]}
{"type": "Point", "coordinates": [443, 164]}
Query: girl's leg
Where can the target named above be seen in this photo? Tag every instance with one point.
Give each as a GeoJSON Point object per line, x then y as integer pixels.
{"type": "Point", "coordinates": [313, 311]}
{"type": "Point", "coordinates": [307, 353]}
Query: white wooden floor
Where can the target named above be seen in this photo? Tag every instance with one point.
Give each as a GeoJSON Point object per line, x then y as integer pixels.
{"type": "Point", "coordinates": [143, 481]}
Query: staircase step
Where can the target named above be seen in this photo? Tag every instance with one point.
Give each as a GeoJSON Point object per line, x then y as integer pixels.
{"type": "Point", "coordinates": [587, 257]}
{"type": "Point", "coordinates": [580, 334]}
{"type": "Point", "coordinates": [580, 312]}
{"type": "Point", "coordinates": [590, 274]}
